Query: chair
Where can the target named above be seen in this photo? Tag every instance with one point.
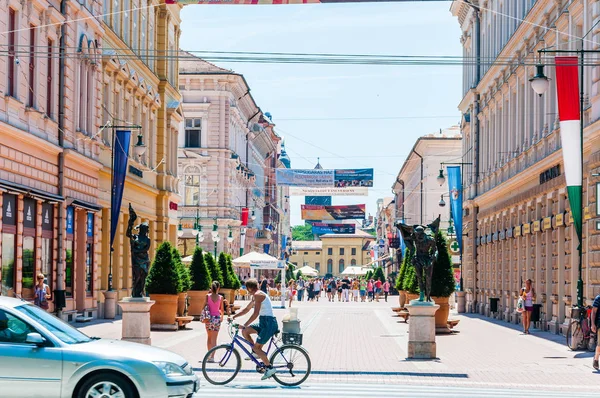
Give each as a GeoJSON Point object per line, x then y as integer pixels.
{"type": "Point", "coordinates": [242, 294]}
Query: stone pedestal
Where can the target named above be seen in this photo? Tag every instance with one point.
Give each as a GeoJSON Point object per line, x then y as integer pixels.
{"type": "Point", "coordinates": [461, 302]}
{"type": "Point", "coordinates": [421, 330]}
{"type": "Point", "coordinates": [110, 304]}
{"type": "Point", "coordinates": [136, 319]}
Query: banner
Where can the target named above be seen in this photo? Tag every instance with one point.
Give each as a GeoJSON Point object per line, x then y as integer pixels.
{"type": "Point", "coordinates": [120, 148]}
{"type": "Point", "coordinates": [244, 216]}
{"type": "Point", "coordinates": [318, 213]}
{"type": "Point", "coordinates": [353, 178]}
{"type": "Point", "coordinates": [311, 191]}
{"type": "Point", "coordinates": [567, 86]}
{"type": "Point", "coordinates": [305, 178]}
{"type": "Point", "coordinates": [456, 197]}
{"type": "Point", "coordinates": [318, 200]}
{"type": "Point", "coordinates": [268, 2]}
{"type": "Point", "coordinates": [319, 228]}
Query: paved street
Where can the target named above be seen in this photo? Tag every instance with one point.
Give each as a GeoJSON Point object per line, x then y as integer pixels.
{"type": "Point", "coordinates": [361, 343]}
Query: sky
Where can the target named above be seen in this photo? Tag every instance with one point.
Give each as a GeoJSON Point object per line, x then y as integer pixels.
{"type": "Point", "coordinates": [356, 101]}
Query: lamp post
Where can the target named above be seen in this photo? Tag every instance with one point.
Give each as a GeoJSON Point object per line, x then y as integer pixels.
{"type": "Point", "coordinates": [196, 231]}
{"type": "Point", "coordinates": [215, 235]}
{"type": "Point", "coordinates": [540, 84]}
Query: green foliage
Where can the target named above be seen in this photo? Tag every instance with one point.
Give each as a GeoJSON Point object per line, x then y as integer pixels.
{"type": "Point", "coordinates": [227, 279]}
{"type": "Point", "coordinates": [369, 275]}
{"type": "Point", "coordinates": [163, 277]}
{"type": "Point", "coordinates": [442, 283]}
{"type": "Point", "coordinates": [302, 232]}
{"type": "Point", "coordinates": [185, 279]}
{"type": "Point", "coordinates": [200, 274]}
{"type": "Point", "coordinates": [298, 275]}
{"type": "Point", "coordinates": [289, 272]}
{"type": "Point", "coordinates": [410, 283]}
{"type": "Point", "coordinates": [236, 283]}
{"type": "Point", "coordinates": [378, 274]}
{"type": "Point", "coordinates": [213, 268]}
{"type": "Point", "coordinates": [408, 256]}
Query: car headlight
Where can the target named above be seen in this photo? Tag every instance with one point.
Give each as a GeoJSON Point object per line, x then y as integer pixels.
{"type": "Point", "coordinates": [170, 369]}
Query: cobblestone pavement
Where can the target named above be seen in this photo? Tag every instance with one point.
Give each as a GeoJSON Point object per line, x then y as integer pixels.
{"type": "Point", "coordinates": [363, 343]}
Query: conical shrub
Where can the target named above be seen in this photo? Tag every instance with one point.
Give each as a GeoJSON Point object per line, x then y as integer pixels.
{"type": "Point", "coordinates": [443, 283]}
{"type": "Point", "coordinates": [200, 274]}
{"type": "Point", "coordinates": [163, 277]}
{"type": "Point", "coordinates": [213, 268]}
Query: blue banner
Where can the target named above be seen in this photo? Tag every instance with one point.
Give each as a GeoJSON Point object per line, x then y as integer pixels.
{"type": "Point", "coordinates": [90, 225]}
{"type": "Point", "coordinates": [455, 187]}
{"type": "Point", "coordinates": [266, 248]}
{"type": "Point", "coordinates": [283, 246]}
{"type": "Point", "coordinates": [353, 178]}
{"type": "Point", "coordinates": [322, 228]}
{"type": "Point", "coordinates": [120, 149]}
{"type": "Point", "coordinates": [70, 220]}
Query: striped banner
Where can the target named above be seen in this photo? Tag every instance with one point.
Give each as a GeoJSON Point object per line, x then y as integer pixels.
{"type": "Point", "coordinates": [567, 87]}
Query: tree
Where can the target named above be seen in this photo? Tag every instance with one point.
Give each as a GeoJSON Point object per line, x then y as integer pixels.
{"type": "Point", "coordinates": [302, 232]}
{"type": "Point", "coordinates": [163, 277]}
{"type": "Point", "coordinates": [369, 275]}
{"type": "Point", "coordinates": [185, 280]}
{"type": "Point", "coordinates": [410, 283]}
{"type": "Point", "coordinates": [408, 256]}
{"type": "Point", "coordinates": [227, 280]}
{"type": "Point", "coordinates": [378, 274]}
{"type": "Point", "coordinates": [200, 274]}
{"type": "Point", "coordinates": [213, 268]}
{"type": "Point", "coordinates": [298, 275]}
{"type": "Point", "coordinates": [236, 283]}
{"type": "Point", "coordinates": [443, 283]}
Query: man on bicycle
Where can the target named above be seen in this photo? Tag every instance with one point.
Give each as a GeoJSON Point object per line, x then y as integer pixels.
{"type": "Point", "coordinates": [595, 324]}
{"type": "Point", "coordinates": [266, 326]}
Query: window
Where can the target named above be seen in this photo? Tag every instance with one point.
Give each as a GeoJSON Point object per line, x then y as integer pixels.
{"type": "Point", "coordinates": [319, 253]}
{"type": "Point", "coordinates": [353, 262]}
{"type": "Point", "coordinates": [341, 251]}
{"type": "Point", "coordinates": [31, 75]}
{"type": "Point", "coordinates": [28, 267]}
{"type": "Point", "coordinates": [341, 266]}
{"type": "Point", "coordinates": [126, 15]}
{"type": "Point", "coordinates": [330, 266]}
{"type": "Point", "coordinates": [117, 17]}
{"type": "Point", "coordinates": [135, 44]}
{"type": "Point", "coordinates": [193, 129]}
{"type": "Point", "coordinates": [9, 241]}
{"type": "Point", "coordinates": [305, 253]}
{"type": "Point", "coordinates": [60, 329]}
{"type": "Point", "coordinates": [192, 190]}
{"type": "Point", "coordinates": [16, 330]}
{"type": "Point", "coordinates": [106, 11]}
{"type": "Point", "coordinates": [12, 41]}
{"type": "Point", "coordinates": [329, 251]}
{"type": "Point", "coordinates": [318, 267]}
{"type": "Point", "coordinates": [354, 251]}
{"type": "Point", "coordinates": [144, 27]}
{"type": "Point", "coordinates": [49, 80]}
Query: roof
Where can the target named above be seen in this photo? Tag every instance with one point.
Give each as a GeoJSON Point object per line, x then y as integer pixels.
{"type": "Point", "coordinates": [190, 63]}
{"type": "Point", "coordinates": [307, 245]}
{"type": "Point", "coordinates": [358, 234]}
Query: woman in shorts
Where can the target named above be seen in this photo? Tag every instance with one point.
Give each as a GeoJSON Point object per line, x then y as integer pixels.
{"type": "Point", "coordinates": [330, 287]}
{"type": "Point", "coordinates": [363, 290]}
{"type": "Point", "coordinates": [214, 301]}
{"type": "Point", "coordinates": [355, 289]}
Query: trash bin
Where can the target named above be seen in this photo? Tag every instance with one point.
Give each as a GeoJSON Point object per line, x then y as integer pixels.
{"type": "Point", "coordinates": [494, 304]}
{"type": "Point", "coordinates": [291, 326]}
{"type": "Point", "coordinates": [536, 314]}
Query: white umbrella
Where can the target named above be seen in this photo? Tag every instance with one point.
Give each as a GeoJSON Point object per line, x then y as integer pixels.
{"type": "Point", "coordinates": [308, 271]}
{"type": "Point", "coordinates": [354, 270]}
{"type": "Point", "coordinates": [187, 259]}
{"type": "Point", "coordinates": [258, 260]}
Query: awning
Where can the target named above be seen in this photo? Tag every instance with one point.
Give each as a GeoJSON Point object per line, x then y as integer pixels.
{"type": "Point", "coordinates": [15, 188]}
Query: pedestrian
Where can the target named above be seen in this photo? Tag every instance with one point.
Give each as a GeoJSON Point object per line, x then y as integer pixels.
{"type": "Point", "coordinates": [42, 293]}
{"type": "Point", "coordinates": [291, 291]}
{"type": "Point", "coordinates": [595, 325]}
{"type": "Point", "coordinates": [264, 285]}
{"type": "Point", "coordinates": [355, 289]}
{"type": "Point", "coordinates": [378, 285]}
{"type": "Point", "coordinates": [339, 289]}
{"type": "Point", "coordinates": [345, 289]}
{"type": "Point", "coordinates": [300, 287]}
{"type": "Point", "coordinates": [311, 290]}
{"type": "Point", "coordinates": [363, 289]}
{"type": "Point", "coordinates": [528, 295]}
{"type": "Point", "coordinates": [330, 288]}
{"type": "Point", "coordinates": [370, 289]}
{"type": "Point", "coordinates": [215, 304]}
{"type": "Point", "coordinates": [386, 289]}
{"type": "Point", "coordinates": [318, 285]}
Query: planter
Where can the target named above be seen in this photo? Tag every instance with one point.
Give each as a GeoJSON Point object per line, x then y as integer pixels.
{"type": "Point", "coordinates": [164, 310]}
{"type": "Point", "coordinates": [410, 296]}
{"type": "Point", "coordinates": [197, 301]}
{"type": "Point", "coordinates": [441, 315]}
{"type": "Point", "coordinates": [181, 303]}
{"type": "Point", "coordinates": [402, 298]}
{"type": "Point", "coordinates": [229, 294]}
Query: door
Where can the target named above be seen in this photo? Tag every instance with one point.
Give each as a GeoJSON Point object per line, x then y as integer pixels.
{"type": "Point", "coordinates": [26, 370]}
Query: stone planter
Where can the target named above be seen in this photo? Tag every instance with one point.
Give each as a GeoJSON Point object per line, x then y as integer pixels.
{"type": "Point", "coordinates": [402, 298]}
{"type": "Point", "coordinates": [441, 315]}
{"type": "Point", "coordinates": [197, 302]}
{"type": "Point", "coordinates": [181, 303]}
{"type": "Point", "coordinates": [164, 310]}
{"type": "Point", "coordinates": [410, 296]}
{"type": "Point", "coordinates": [229, 294]}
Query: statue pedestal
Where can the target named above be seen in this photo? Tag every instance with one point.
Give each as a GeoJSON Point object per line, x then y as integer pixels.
{"type": "Point", "coordinates": [110, 304]}
{"type": "Point", "coordinates": [421, 330]}
{"type": "Point", "coordinates": [136, 319]}
{"type": "Point", "coordinates": [461, 302]}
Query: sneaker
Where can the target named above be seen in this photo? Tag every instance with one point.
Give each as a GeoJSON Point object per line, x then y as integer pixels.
{"type": "Point", "coordinates": [253, 355]}
{"type": "Point", "coordinates": [269, 373]}
{"type": "Point", "coordinates": [595, 364]}
{"type": "Point", "coordinates": [210, 360]}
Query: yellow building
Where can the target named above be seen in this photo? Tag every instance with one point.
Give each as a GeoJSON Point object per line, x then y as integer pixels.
{"type": "Point", "coordinates": [333, 253]}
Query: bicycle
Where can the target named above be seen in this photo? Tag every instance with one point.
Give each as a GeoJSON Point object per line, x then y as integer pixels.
{"type": "Point", "coordinates": [579, 333]}
{"type": "Point", "coordinates": [291, 361]}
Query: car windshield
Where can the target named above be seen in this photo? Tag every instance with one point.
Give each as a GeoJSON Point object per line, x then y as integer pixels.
{"type": "Point", "coordinates": [60, 329]}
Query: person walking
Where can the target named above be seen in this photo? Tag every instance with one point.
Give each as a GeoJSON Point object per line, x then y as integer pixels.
{"type": "Point", "coordinates": [378, 285]}
{"type": "Point", "coordinates": [264, 285]}
{"type": "Point", "coordinates": [528, 295]}
{"type": "Point", "coordinates": [330, 289]}
{"type": "Point", "coordinates": [370, 289]}
{"type": "Point", "coordinates": [386, 289]}
{"type": "Point", "coordinates": [311, 290]}
{"type": "Point", "coordinates": [300, 287]}
{"type": "Point", "coordinates": [595, 326]}
{"type": "Point", "coordinates": [214, 301]}
{"type": "Point", "coordinates": [291, 292]}
{"type": "Point", "coordinates": [42, 293]}
{"type": "Point", "coordinates": [355, 289]}
{"type": "Point", "coordinates": [318, 286]}
{"type": "Point", "coordinates": [345, 289]}
{"type": "Point", "coordinates": [339, 289]}
{"type": "Point", "coordinates": [363, 290]}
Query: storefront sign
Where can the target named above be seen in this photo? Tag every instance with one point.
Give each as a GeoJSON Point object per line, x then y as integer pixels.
{"type": "Point", "coordinates": [536, 226]}
{"type": "Point", "coordinates": [90, 225]}
{"type": "Point", "coordinates": [29, 212]}
{"type": "Point", "coordinates": [526, 228]}
{"type": "Point", "coordinates": [47, 217]}
{"type": "Point", "coordinates": [9, 209]}
{"type": "Point", "coordinates": [136, 172]}
{"type": "Point", "coordinates": [172, 206]}
{"type": "Point", "coordinates": [560, 219]}
{"type": "Point", "coordinates": [70, 220]}
{"type": "Point", "coordinates": [517, 231]}
{"type": "Point", "coordinates": [547, 223]}
{"type": "Point", "coordinates": [550, 174]}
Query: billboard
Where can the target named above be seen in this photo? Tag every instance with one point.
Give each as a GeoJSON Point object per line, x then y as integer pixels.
{"type": "Point", "coordinates": [353, 178]}
{"type": "Point", "coordinates": [318, 200]}
{"type": "Point", "coordinates": [268, 2]}
{"type": "Point", "coordinates": [319, 228]}
{"type": "Point", "coordinates": [328, 191]}
{"type": "Point", "coordinates": [340, 178]}
{"type": "Point", "coordinates": [320, 213]}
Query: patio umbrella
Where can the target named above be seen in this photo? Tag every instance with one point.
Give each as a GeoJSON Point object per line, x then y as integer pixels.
{"type": "Point", "coordinates": [257, 260]}
{"type": "Point", "coordinates": [354, 270]}
{"type": "Point", "coordinates": [308, 271]}
{"type": "Point", "coordinates": [187, 259]}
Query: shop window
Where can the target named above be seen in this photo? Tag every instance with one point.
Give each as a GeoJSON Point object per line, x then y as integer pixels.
{"type": "Point", "coordinates": [89, 256]}
{"type": "Point", "coordinates": [29, 224]}
{"type": "Point", "coordinates": [69, 249]}
{"type": "Point", "coordinates": [9, 240]}
{"type": "Point", "coordinates": [47, 244]}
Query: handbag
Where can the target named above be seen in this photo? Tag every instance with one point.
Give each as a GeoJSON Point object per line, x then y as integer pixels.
{"type": "Point", "coordinates": [520, 305]}
{"type": "Point", "coordinates": [205, 314]}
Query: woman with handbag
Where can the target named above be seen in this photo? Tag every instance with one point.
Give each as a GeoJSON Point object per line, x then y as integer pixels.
{"type": "Point", "coordinates": [42, 293]}
{"type": "Point", "coordinates": [212, 316]}
{"type": "Point", "coordinates": [528, 296]}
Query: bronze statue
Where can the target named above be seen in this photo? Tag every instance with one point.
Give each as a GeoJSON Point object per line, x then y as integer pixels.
{"type": "Point", "coordinates": [422, 244]}
{"type": "Point", "coordinates": [140, 261]}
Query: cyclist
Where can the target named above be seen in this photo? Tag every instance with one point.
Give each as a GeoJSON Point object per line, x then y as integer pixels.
{"type": "Point", "coordinates": [266, 326]}
{"type": "Point", "coordinates": [595, 324]}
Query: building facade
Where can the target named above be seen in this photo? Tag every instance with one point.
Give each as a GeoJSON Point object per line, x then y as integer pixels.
{"type": "Point", "coordinates": [228, 154]}
{"type": "Point", "coordinates": [517, 222]}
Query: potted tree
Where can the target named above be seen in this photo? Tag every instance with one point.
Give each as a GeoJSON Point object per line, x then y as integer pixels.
{"type": "Point", "coordinates": [401, 276]}
{"type": "Point", "coordinates": [379, 275]}
{"type": "Point", "coordinates": [213, 268]}
{"type": "Point", "coordinates": [227, 283]}
{"type": "Point", "coordinates": [201, 279]}
{"type": "Point", "coordinates": [410, 284]}
{"type": "Point", "coordinates": [236, 284]}
{"type": "Point", "coordinates": [442, 283]}
{"type": "Point", "coordinates": [162, 284]}
{"type": "Point", "coordinates": [186, 281]}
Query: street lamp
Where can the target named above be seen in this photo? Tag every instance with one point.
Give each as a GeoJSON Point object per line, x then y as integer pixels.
{"type": "Point", "coordinates": [139, 149]}
{"type": "Point", "coordinates": [440, 178]}
{"type": "Point", "coordinates": [230, 236]}
{"type": "Point", "coordinates": [215, 235]}
{"type": "Point", "coordinates": [253, 216]}
{"type": "Point", "coordinates": [442, 202]}
{"type": "Point", "coordinates": [539, 82]}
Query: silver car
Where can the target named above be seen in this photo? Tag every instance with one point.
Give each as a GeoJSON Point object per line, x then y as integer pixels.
{"type": "Point", "coordinates": [42, 356]}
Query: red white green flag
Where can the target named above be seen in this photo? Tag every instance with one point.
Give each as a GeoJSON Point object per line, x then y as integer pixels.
{"type": "Point", "coordinates": [567, 87]}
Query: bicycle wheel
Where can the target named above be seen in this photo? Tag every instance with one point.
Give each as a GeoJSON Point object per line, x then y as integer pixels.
{"type": "Point", "coordinates": [574, 335]}
{"type": "Point", "coordinates": [292, 364]}
{"type": "Point", "coordinates": [226, 365]}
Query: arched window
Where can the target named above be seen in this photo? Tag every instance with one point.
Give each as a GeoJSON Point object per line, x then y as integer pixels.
{"type": "Point", "coordinates": [341, 267]}
{"type": "Point", "coordinates": [353, 262]}
{"type": "Point", "coordinates": [330, 266]}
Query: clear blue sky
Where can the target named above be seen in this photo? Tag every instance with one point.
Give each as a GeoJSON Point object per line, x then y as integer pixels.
{"type": "Point", "coordinates": [301, 91]}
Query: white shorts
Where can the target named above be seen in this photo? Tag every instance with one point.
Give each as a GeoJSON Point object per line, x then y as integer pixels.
{"type": "Point", "coordinates": [355, 292]}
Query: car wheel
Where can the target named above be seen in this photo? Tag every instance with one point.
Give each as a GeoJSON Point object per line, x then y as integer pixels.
{"type": "Point", "coordinates": [106, 385]}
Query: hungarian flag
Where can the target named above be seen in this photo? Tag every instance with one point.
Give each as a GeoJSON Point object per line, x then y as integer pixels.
{"type": "Point", "coordinates": [567, 87]}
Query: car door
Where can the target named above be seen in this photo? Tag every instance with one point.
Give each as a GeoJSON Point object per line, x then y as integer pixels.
{"type": "Point", "coordinates": [26, 370]}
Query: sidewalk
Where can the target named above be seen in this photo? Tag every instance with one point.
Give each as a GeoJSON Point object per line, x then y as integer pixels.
{"type": "Point", "coordinates": [363, 343]}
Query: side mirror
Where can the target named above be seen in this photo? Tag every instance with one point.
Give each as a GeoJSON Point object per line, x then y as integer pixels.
{"type": "Point", "coordinates": [35, 338]}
